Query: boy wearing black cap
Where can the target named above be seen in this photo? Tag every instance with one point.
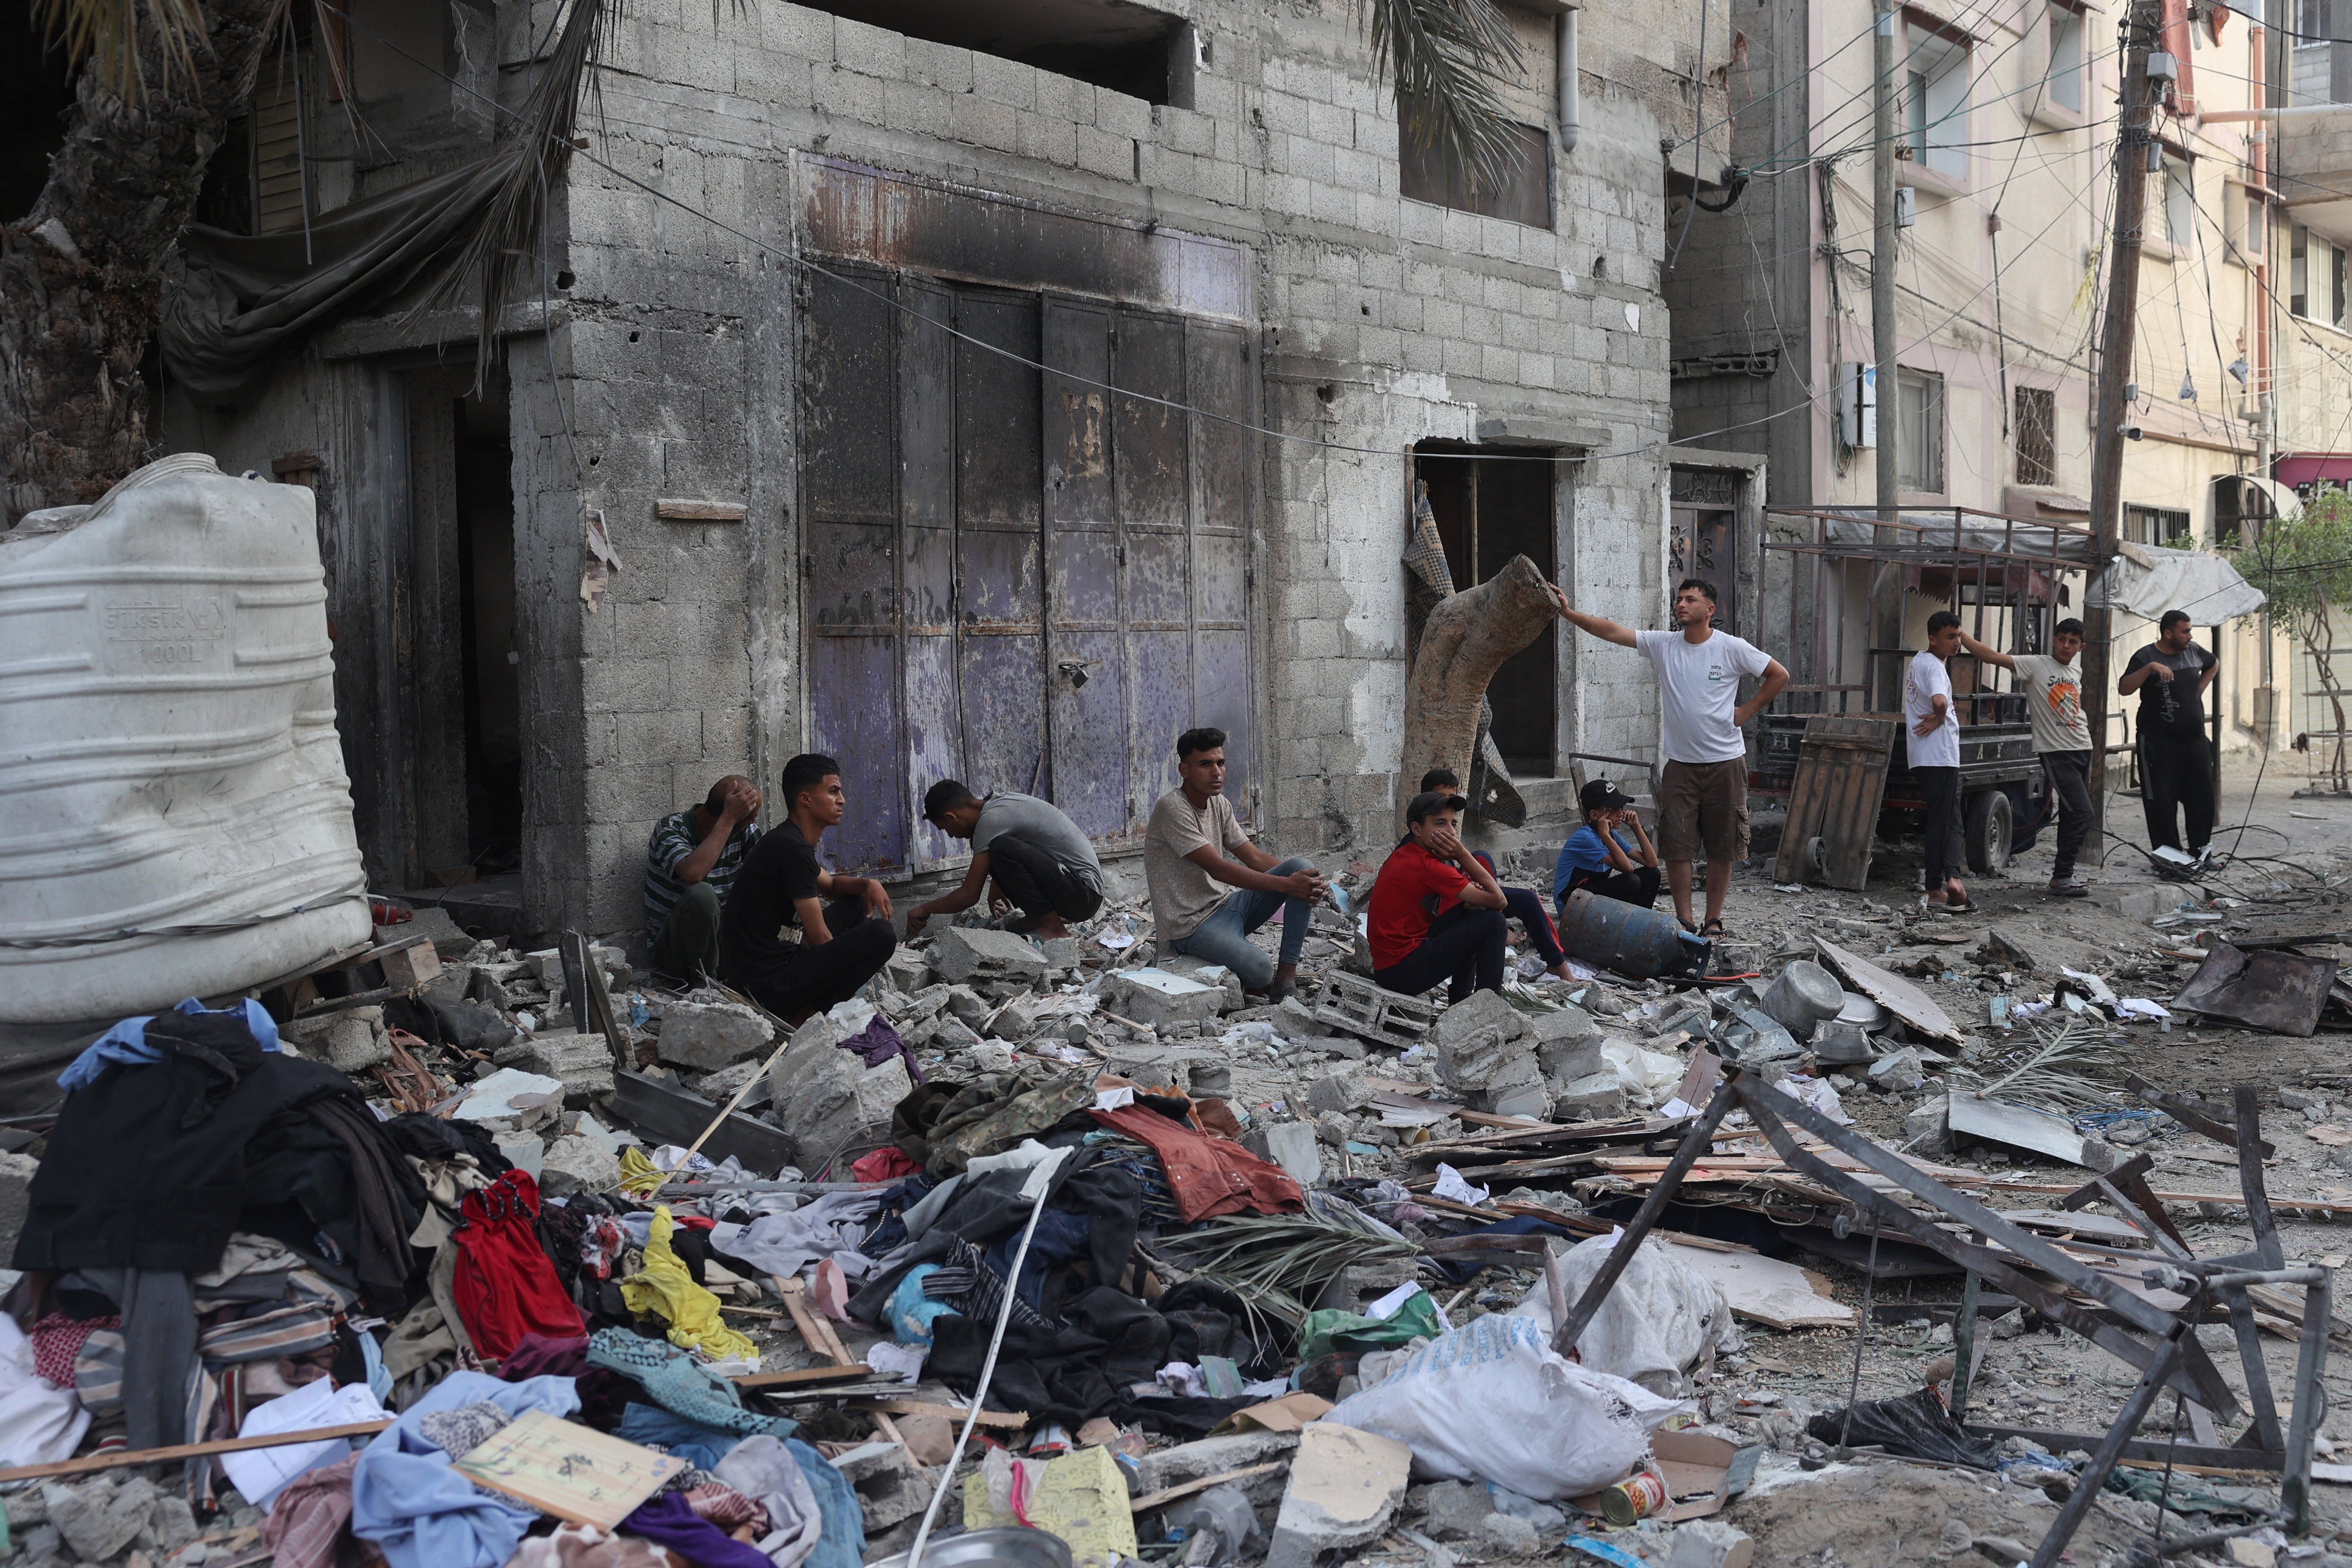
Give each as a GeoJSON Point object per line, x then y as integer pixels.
{"type": "Point", "coordinates": [1436, 912]}
{"type": "Point", "coordinates": [1600, 858]}
{"type": "Point", "coordinates": [1524, 905]}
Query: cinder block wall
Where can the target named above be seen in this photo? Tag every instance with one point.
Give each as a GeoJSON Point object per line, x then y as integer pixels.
{"type": "Point", "coordinates": [667, 368]}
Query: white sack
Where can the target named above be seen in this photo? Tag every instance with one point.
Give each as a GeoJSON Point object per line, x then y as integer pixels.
{"type": "Point", "coordinates": [1652, 1327]}
{"type": "Point", "coordinates": [1491, 1401]}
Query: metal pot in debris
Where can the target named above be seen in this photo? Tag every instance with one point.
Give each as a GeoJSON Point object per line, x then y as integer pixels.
{"type": "Point", "coordinates": [1009, 1548]}
{"type": "Point", "coordinates": [1803, 996]}
{"type": "Point", "coordinates": [1862, 1013]}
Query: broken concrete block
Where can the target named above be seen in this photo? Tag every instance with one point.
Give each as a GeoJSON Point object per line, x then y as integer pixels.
{"type": "Point", "coordinates": [890, 1485]}
{"type": "Point", "coordinates": [1295, 1020]}
{"type": "Point", "coordinates": [1531, 1100]}
{"type": "Point", "coordinates": [1159, 998]}
{"type": "Point", "coordinates": [1018, 1019]}
{"type": "Point", "coordinates": [1484, 1042]}
{"type": "Point", "coordinates": [720, 1086]}
{"type": "Point", "coordinates": [993, 1056]}
{"type": "Point", "coordinates": [707, 1036]}
{"type": "Point", "coordinates": [17, 1172]}
{"type": "Point", "coordinates": [1289, 1144]}
{"type": "Point", "coordinates": [576, 1164]}
{"type": "Point", "coordinates": [1348, 1088]}
{"type": "Point", "coordinates": [907, 970]}
{"type": "Point", "coordinates": [1061, 954]}
{"type": "Point", "coordinates": [828, 1101]}
{"type": "Point", "coordinates": [172, 1523]}
{"type": "Point", "coordinates": [351, 1041]}
{"type": "Point", "coordinates": [1344, 1488]}
{"type": "Point", "coordinates": [1164, 1468]}
{"type": "Point", "coordinates": [583, 1063]}
{"type": "Point", "coordinates": [1564, 1061]}
{"type": "Point", "coordinates": [1597, 1097]}
{"type": "Point", "coordinates": [968, 1007]}
{"type": "Point", "coordinates": [97, 1519]}
{"type": "Point", "coordinates": [432, 921]}
{"type": "Point", "coordinates": [1927, 1130]}
{"type": "Point", "coordinates": [547, 967]}
{"type": "Point", "coordinates": [1208, 974]}
{"type": "Point", "coordinates": [1509, 1537]}
{"type": "Point", "coordinates": [1711, 1544]}
{"type": "Point", "coordinates": [1455, 1510]}
{"type": "Point", "coordinates": [495, 1097]}
{"type": "Point", "coordinates": [959, 953]}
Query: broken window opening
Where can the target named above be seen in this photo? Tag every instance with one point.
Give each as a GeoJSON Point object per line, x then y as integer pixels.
{"type": "Point", "coordinates": [2037, 435]}
{"type": "Point", "coordinates": [1121, 47]}
{"type": "Point", "coordinates": [1488, 510]}
{"type": "Point", "coordinates": [1424, 174]}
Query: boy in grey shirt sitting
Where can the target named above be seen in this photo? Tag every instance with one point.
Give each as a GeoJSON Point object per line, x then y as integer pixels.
{"type": "Point", "coordinates": [1041, 863]}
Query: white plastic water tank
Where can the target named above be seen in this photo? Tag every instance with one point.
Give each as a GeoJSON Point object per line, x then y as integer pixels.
{"type": "Point", "coordinates": [174, 818]}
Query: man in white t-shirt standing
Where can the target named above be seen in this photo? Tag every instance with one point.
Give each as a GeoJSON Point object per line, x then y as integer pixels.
{"type": "Point", "coordinates": [1703, 796]}
{"type": "Point", "coordinates": [1932, 734]}
{"type": "Point", "coordinates": [2052, 684]}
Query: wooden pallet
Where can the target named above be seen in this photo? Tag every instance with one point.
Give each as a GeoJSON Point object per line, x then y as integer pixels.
{"type": "Point", "coordinates": [1841, 782]}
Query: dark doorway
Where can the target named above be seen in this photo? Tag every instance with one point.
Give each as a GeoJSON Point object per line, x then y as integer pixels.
{"type": "Point", "coordinates": [1490, 507]}
{"type": "Point", "coordinates": [461, 820]}
{"type": "Point", "coordinates": [486, 570]}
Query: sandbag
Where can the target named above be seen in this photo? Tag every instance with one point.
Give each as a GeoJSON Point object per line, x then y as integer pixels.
{"type": "Point", "coordinates": [1653, 1326]}
{"type": "Point", "coordinates": [1492, 1401]}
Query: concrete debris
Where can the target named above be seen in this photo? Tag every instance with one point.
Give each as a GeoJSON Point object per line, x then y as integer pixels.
{"type": "Point", "coordinates": [1159, 998]}
{"type": "Point", "coordinates": [962, 953]}
{"type": "Point", "coordinates": [1344, 1488]}
{"type": "Point", "coordinates": [704, 1037]}
{"type": "Point", "coordinates": [828, 1101]}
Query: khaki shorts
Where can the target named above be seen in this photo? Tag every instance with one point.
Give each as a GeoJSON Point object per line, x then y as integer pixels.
{"type": "Point", "coordinates": [1704, 806]}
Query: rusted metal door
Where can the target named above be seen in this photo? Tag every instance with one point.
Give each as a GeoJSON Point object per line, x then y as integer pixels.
{"type": "Point", "coordinates": [1022, 580]}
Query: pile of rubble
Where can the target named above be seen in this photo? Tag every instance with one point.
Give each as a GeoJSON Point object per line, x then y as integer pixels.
{"type": "Point", "coordinates": [1609, 1270]}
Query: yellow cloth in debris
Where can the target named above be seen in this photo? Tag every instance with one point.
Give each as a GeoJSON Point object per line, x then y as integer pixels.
{"type": "Point", "coordinates": [667, 1289]}
{"type": "Point", "coordinates": [640, 1177]}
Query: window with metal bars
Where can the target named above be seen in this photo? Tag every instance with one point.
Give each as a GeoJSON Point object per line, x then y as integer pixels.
{"type": "Point", "coordinates": [2037, 436]}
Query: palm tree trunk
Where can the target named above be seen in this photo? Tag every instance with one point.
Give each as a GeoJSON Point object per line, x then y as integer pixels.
{"type": "Point", "coordinates": [81, 274]}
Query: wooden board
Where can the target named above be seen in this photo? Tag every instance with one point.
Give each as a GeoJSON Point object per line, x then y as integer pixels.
{"type": "Point", "coordinates": [564, 1468]}
{"type": "Point", "coordinates": [1766, 1290]}
{"type": "Point", "coordinates": [1914, 1007]}
{"type": "Point", "coordinates": [1841, 782]}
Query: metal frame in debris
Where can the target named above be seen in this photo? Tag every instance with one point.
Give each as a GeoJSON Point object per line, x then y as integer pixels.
{"type": "Point", "coordinates": [2158, 1343]}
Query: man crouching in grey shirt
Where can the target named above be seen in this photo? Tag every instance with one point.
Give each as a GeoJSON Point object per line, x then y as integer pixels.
{"type": "Point", "coordinates": [1042, 866]}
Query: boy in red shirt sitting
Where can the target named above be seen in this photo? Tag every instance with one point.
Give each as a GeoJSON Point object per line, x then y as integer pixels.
{"type": "Point", "coordinates": [1437, 911]}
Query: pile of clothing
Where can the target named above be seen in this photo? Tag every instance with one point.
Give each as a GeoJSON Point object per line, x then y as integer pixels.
{"type": "Point", "coordinates": [225, 1239]}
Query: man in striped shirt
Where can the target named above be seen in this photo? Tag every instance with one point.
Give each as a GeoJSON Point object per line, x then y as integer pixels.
{"type": "Point", "coordinates": [690, 862]}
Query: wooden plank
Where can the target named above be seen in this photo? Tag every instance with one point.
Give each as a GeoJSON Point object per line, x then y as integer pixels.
{"type": "Point", "coordinates": [1008, 1420]}
{"type": "Point", "coordinates": [856, 1372]}
{"type": "Point", "coordinates": [821, 1339]}
{"type": "Point", "coordinates": [701, 511]}
{"type": "Point", "coordinates": [122, 1457]}
{"type": "Point", "coordinates": [1169, 1494]}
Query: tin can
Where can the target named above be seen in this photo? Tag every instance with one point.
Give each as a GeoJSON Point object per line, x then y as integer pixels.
{"type": "Point", "coordinates": [1637, 1496]}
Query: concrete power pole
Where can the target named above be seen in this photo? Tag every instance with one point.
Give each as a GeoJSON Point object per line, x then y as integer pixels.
{"type": "Point", "coordinates": [2110, 411]}
{"type": "Point", "coordinates": [1886, 589]}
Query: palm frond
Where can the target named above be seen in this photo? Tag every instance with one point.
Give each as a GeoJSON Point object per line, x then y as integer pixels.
{"type": "Point", "coordinates": [538, 146]}
{"type": "Point", "coordinates": [1277, 1265]}
{"type": "Point", "coordinates": [2054, 1069]}
{"type": "Point", "coordinates": [107, 33]}
{"type": "Point", "coordinates": [1445, 59]}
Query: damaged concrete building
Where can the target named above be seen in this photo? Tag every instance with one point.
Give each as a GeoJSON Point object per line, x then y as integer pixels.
{"type": "Point", "coordinates": [977, 395]}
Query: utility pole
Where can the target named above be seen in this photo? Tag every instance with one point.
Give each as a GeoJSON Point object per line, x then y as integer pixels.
{"type": "Point", "coordinates": [1886, 589]}
{"type": "Point", "coordinates": [2110, 411]}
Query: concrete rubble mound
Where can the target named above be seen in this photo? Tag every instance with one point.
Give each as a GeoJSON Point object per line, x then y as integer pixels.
{"type": "Point", "coordinates": [1872, 1244]}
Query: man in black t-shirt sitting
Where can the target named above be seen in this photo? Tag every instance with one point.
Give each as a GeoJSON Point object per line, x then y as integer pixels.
{"type": "Point", "coordinates": [2176, 761]}
{"type": "Point", "coordinates": [799, 939]}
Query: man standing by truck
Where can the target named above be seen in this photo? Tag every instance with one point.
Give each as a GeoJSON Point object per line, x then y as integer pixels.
{"type": "Point", "coordinates": [2176, 765]}
{"type": "Point", "coordinates": [2052, 685]}
{"type": "Point", "coordinates": [1931, 727]}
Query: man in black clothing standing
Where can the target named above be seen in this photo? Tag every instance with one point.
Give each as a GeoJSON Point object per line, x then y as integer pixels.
{"type": "Point", "coordinates": [2176, 762]}
{"type": "Point", "coordinates": [799, 939]}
